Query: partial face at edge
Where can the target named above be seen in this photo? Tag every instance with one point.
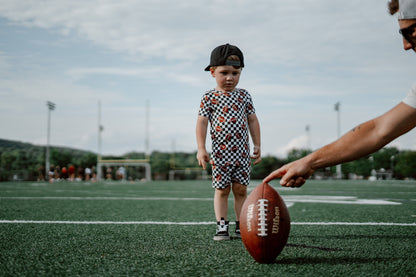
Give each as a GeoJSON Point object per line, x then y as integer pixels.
{"type": "Point", "coordinates": [405, 23]}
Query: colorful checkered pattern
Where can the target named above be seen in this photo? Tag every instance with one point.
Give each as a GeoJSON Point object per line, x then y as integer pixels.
{"type": "Point", "coordinates": [223, 176]}
{"type": "Point", "coordinates": [227, 113]}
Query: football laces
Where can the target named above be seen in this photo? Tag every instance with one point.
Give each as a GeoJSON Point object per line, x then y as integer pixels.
{"type": "Point", "coordinates": [262, 205]}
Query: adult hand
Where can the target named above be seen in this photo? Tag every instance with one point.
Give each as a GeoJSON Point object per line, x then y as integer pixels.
{"type": "Point", "coordinates": [293, 174]}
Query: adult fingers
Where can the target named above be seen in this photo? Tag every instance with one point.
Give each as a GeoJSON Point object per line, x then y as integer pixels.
{"type": "Point", "coordinates": [275, 174]}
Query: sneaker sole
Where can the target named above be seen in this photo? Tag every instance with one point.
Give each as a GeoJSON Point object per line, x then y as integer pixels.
{"type": "Point", "coordinates": [219, 238]}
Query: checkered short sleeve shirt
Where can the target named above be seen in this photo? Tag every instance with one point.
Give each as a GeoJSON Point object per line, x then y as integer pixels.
{"type": "Point", "coordinates": [227, 113]}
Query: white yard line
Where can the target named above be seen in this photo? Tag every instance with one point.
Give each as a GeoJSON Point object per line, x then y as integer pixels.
{"type": "Point", "coordinates": [193, 223]}
{"type": "Point", "coordinates": [289, 199]}
{"type": "Point", "coordinates": [107, 198]}
{"type": "Point", "coordinates": [355, 223]}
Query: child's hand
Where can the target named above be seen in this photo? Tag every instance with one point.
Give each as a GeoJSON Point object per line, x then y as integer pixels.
{"type": "Point", "coordinates": [256, 154]}
{"type": "Point", "coordinates": [202, 157]}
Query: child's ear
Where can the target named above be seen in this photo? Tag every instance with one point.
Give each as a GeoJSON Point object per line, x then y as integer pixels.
{"type": "Point", "coordinates": [212, 70]}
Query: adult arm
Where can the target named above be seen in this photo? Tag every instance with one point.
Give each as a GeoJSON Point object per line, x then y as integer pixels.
{"type": "Point", "coordinates": [363, 140]}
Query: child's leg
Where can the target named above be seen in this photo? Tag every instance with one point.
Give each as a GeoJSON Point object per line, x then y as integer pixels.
{"type": "Point", "coordinates": [240, 195]}
{"type": "Point", "coordinates": [221, 202]}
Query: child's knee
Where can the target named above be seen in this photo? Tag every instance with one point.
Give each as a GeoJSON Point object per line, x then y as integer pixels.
{"type": "Point", "coordinates": [239, 190]}
{"type": "Point", "coordinates": [223, 192]}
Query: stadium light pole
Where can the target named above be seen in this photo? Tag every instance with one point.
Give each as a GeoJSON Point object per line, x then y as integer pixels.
{"type": "Point", "coordinates": [100, 130]}
{"type": "Point", "coordinates": [337, 109]}
{"type": "Point", "coordinates": [308, 135]}
{"type": "Point", "coordinates": [51, 107]}
{"type": "Point", "coordinates": [147, 132]}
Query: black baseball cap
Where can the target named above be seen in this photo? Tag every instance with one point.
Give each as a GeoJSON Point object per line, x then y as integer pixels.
{"type": "Point", "coordinates": [220, 54]}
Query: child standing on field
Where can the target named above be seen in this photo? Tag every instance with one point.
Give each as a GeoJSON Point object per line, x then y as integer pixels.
{"type": "Point", "coordinates": [231, 115]}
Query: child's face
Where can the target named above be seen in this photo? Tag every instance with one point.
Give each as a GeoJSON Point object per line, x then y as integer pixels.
{"type": "Point", "coordinates": [227, 77]}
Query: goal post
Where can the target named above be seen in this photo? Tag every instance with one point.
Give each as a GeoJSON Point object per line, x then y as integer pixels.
{"type": "Point", "coordinates": [187, 171]}
{"type": "Point", "coordinates": [124, 162]}
{"type": "Point", "coordinates": [129, 162]}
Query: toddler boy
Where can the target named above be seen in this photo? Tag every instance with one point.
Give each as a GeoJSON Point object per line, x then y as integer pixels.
{"type": "Point", "coordinates": [231, 115]}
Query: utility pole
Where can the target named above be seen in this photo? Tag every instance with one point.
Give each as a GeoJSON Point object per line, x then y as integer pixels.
{"type": "Point", "coordinates": [338, 110]}
{"type": "Point", "coordinates": [100, 130]}
{"type": "Point", "coordinates": [308, 136]}
{"type": "Point", "coordinates": [51, 107]}
{"type": "Point", "coordinates": [147, 130]}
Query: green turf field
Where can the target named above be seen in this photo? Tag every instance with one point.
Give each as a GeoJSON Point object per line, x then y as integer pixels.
{"type": "Point", "coordinates": [339, 228]}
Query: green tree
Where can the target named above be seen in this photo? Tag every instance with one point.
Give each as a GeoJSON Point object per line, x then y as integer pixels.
{"type": "Point", "coordinates": [7, 161]}
{"type": "Point", "coordinates": [60, 157]}
{"type": "Point", "coordinates": [88, 160]}
{"type": "Point", "coordinates": [361, 167]}
{"type": "Point", "coordinates": [267, 165]}
{"type": "Point", "coordinates": [406, 165]}
{"type": "Point", "coordinates": [296, 154]}
{"type": "Point", "coordinates": [384, 158]}
{"type": "Point", "coordinates": [160, 162]}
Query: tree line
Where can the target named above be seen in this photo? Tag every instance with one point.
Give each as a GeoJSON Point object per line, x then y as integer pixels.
{"type": "Point", "coordinates": [25, 161]}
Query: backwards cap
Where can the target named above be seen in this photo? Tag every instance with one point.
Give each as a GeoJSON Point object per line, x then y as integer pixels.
{"type": "Point", "coordinates": [221, 53]}
{"type": "Point", "coordinates": [407, 9]}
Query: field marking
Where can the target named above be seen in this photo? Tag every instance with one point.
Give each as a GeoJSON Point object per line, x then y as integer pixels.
{"type": "Point", "coordinates": [105, 222]}
{"type": "Point", "coordinates": [336, 200]}
{"type": "Point", "coordinates": [107, 198]}
{"type": "Point", "coordinates": [355, 223]}
{"type": "Point", "coordinates": [193, 223]}
{"type": "Point", "coordinates": [289, 199]}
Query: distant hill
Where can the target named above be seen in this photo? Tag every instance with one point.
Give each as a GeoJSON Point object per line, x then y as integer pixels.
{"type": "Point", "coordinates": [18, 145]}
{"type": "Point", "coordinates": [26, 161]}
{"type": "Point", "coordinates": [4, 143]}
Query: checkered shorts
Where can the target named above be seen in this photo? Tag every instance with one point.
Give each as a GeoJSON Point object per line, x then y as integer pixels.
{"type": "Point", "coordinates": [223, 176]}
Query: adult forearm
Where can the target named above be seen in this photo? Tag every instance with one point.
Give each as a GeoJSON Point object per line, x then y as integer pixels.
{"type": "Point", "coordinates": [359, 142]}
{"type": "Point", "coordinates": [366, 138]}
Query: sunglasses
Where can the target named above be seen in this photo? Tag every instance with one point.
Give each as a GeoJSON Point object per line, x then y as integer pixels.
{"type": "Point", "coordinates": [407, 33]}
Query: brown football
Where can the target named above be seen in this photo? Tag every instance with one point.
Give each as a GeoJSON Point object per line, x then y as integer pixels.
{"type": "Point", "coordinates": [264, 223]}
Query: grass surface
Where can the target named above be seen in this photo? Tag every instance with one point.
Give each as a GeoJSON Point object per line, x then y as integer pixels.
{"type": "Point", "coordinates": [66, 246]}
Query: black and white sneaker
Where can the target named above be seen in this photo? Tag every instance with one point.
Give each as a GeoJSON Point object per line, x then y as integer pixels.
{"type": "Point", "coordinates": [222, 230]}
{"type": "Point", "coordinates": [237, 233]}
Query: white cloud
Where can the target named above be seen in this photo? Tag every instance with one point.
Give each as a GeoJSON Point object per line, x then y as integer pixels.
{"type": "Point", "coordinates": [300, 142]}
{"type": "Point", "coordinates": [184, 30]}
{"type": "Point", "coordinates": [301, 58]}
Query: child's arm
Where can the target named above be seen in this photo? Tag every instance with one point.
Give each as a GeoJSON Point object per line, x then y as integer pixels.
{"type": "Point", "coordinates": [201, 135]}
{"type": "Point", "coordinates": [254, 127]}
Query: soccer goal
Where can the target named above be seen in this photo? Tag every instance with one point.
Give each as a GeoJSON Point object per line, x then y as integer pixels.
{"type": "Point", "coordinates": [173, 173]}
{"type": "Point", "coordinates": [124, 163]}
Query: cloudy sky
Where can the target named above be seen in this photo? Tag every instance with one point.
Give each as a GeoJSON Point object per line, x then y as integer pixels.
{"type": "Point", "coordinates": [301, 58]}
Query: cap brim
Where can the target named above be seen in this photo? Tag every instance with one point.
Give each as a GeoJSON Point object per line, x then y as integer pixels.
{"type": "Point", "coordinates": [207, 68]}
